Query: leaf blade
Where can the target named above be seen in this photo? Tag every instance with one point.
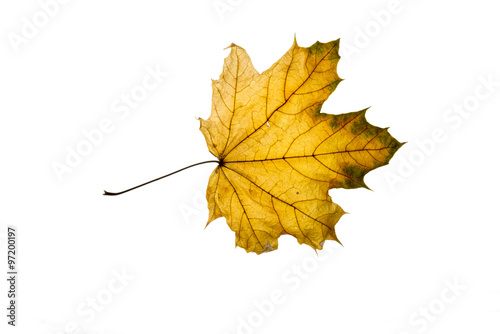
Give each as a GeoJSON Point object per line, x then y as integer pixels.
{"type": "Point", "coordinates": [281, 154]}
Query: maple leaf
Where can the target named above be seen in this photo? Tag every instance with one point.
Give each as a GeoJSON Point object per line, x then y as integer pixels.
{"type": "Point", "coordinates": [278, 155]}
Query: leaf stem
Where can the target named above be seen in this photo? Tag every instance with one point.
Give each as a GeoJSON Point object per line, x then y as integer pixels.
{"type": "Point", "coordinates": [107, 193]}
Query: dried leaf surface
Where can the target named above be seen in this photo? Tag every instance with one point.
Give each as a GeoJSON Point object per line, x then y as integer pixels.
{"type": "Point", "coordinates": [279, 154]}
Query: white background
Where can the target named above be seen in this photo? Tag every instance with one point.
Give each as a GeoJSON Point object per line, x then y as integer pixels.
{"type": "Point", "coordinates": [430, 221]}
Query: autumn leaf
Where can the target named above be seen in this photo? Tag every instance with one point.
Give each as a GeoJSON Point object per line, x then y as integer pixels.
{"type": "Point", "coordinates": [279, 155]}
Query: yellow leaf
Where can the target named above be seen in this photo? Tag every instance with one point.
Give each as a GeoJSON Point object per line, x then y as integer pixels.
{"type": "Point", "coordinates": [278, 154]}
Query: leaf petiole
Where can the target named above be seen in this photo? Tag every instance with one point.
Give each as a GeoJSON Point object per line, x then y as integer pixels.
{"type": "Point", "coordinates": [107, 193]}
